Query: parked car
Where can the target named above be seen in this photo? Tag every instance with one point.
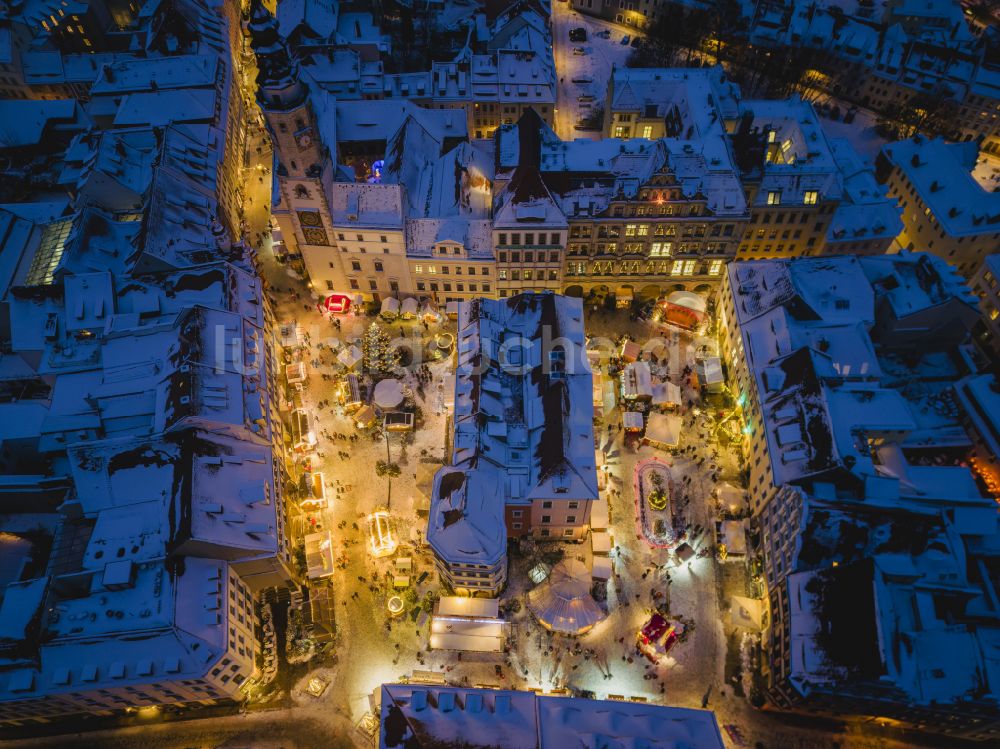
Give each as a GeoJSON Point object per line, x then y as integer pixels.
{"type": "Point", "coordinates": [626, 39]}
{"type": "Point", "coordinates": [578, 51]}
{"type": "Point", "coordinates": [637, 41]}
{"type": "Point", "coordinates": [605, 34]}
{"type": "Point", "coordinates": [579, 34]}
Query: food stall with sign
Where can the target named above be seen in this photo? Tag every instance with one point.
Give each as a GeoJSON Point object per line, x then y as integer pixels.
{"type": "Point", "coordinates": [319, 555]}
{"type": "Point", "coordinates": [408, 309]}
{"type": "Point", "coordinates": [336, 304]}
{"type": "Point", "coordinates": [315, 498]}
{"type": "Point", "coordinates": [685, 309]}
{"type": "Point", "coordinates": [637, 382]}
{"type": "Point", "coordinates": [290, 335]}
{"type": "Point", "coordinates": [303, 437]}
{"type": "Point", "coordinates": [658, 636]}
{"type": "Point", "coordinates": [623, 297]}
{"type": "Point", "coordinates": [349, 393]}
{"type": "Point", "coordinates": [390, 308]}
{"type": "Point", "coordinates": [632, 421]}
{"type": "Point", "coordinates": [295, 373]}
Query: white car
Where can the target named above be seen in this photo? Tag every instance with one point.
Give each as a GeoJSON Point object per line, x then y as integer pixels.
{"type": "Point", "coordinates": [579, 51]}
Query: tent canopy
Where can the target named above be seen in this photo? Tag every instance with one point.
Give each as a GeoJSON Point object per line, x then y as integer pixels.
{"type": "Point", "coordinates": [602, 568]}
{"type": "Point", "coordinates": [349, 356]}
{"type": "Point", "coordinates": [390, 306]}
{"type": "Point", "coordinates": [666, 394]}
{"type": "Point", "coordinates": [599, 516]}
{"type": "Point", "coordinates": [563, 602]}
{"type": "Point", "coordinates": [409, 307]}
{"type": "Point", "coordinates": [388, 393]}
{"type": "Point", "coordinates": [600, 542]}
{"type": "Point", "coordinates": [632, 420]}
{"type": "Point", "coordinates": [733, 535]}
{"type": "Point", "coordinates": [637, 381]}
{"type": "Point", "coordinates": [687, 299]}
{"type": "Point", "coordinates": [664, 430]}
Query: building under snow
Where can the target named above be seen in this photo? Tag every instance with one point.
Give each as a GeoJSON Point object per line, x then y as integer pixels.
{"type": "Point", "coordinates": [141, 476]}
{"type": "Point", "coordinates": [849, 376]}
{"type": "Point", "coordinates": [417, 716]}
{"type": "Point", "coordinates": [947, 210]}
{"type": "Point", "coordinates": [523, 440]}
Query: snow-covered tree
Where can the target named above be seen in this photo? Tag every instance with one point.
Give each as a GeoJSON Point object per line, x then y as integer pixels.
{"type": "Point", "coordinates": [379, 358]}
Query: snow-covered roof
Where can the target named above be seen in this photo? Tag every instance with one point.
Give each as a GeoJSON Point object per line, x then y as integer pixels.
{"type": "Point", "coordinates": [799, 158]}
{"type": "Point", "coordinates": [28, 122]}
{"type": "Point", "coordinates": [523, 421]}
{"type": "Point", "coordinates": [139, 74]}
{"type": "Point", "coordinates": [941, 173]}
{"type": "Point", "coordinates": [308, 17]}
{"type": "Point", "coordinates": [866, 212]}
{"type": "Point", "coordinates": [979, 396]}
{"type": "Point", "coordinates": [807, 329]}
{"type": "Point", "coordinates": [413, 714]}
{"type": "Point", "coordinates": [377, 121]}
{"type": "Point", "coordinates": [699, 97]}
{"type": "Point", "coordinates": [364, 205]}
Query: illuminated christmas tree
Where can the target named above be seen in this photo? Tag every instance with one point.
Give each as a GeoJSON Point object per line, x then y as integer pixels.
{"type": "Point", "coordinates": [379, 358]}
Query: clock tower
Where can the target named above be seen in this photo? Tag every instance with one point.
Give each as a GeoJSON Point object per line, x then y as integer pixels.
{"type": "Point", "coordinates": [284, 99]}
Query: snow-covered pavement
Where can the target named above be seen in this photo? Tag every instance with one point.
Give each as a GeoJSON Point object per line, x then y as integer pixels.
{"type": "Point", "coordinates": [594, 66]}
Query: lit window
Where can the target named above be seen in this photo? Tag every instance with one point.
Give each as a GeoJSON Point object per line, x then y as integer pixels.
{"type": "Point", "coordinates": [774, 197]}
{"type": "Point", "coordinates": [811, 197]}
{"type": "Point", "coordinates": [432, 269]}
{"type": "Point", "coordinates": [715, 268]}
{"type": "Point", "coordinates": [643, 230]}
{"type": "Point", "coordinates": [630, 230]}
{"type": "Point", "coordinates": [621, 131]}
{"type": "Point", "coordinates": [660, 249]}
{"type": "Point", "coordinates": [689, 267]}
{"type": "Point", "coordinates": [647, 131]}
{"type": "Point", "coordinates": [418, 269]}
{"type": "Point", "coordinates": [677, 267]}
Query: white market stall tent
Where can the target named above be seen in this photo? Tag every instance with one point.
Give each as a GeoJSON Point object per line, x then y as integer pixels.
{"type": "Point", "coordinates": [319, 555]}
{"type": "Point", "coordinates": [473, 624]}
{"type": "Point", "coordinates": [602, 568]}
{"type": "Point", "coordinates": [599, 516]}
{"type": "Point", "coordinates": [388, 394]}
{"type": "Point", "coordinates": [563, 602]}
{"type": "Point", "coordinates": [350, 356]}
{"type": "Point", "coordinates": [666, 394]}
{"type": "Point", "coordinates": [710, 372]}
{"type": "Point", "coordinates": [637, 381]}
{"type": "Point", "coordinates": [408, 308]}
{"type": "Point", "coordinates": [390, 307]}
{"type": "Point", "coordinates": [663, 430]}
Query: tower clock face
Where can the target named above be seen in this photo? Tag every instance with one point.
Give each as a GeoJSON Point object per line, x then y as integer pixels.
{"type": "Point", "coordinates": [310, 218]}
{"type": "Point", "coordinates": [312, 228]}
{"type": "Point", "coordinates": [303, 138]}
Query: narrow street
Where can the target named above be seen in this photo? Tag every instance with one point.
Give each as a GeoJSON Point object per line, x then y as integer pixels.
{"type": "Point", "coordinates": [594, 67]}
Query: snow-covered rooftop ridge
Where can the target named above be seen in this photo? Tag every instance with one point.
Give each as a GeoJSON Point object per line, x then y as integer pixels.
{"type": "Point", "coordinates": [423, 715]}
{"type": "Point", "coordinates": [366, 205]}
{"type": "Point", "coordinates": [523, 420]}
{"type": "Point", "coordinates": [941, 173]}
{"type": "Point", "coordinates": [701, 98]}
